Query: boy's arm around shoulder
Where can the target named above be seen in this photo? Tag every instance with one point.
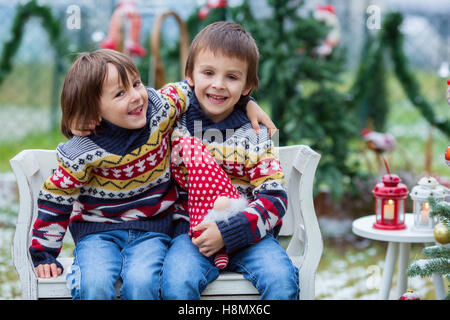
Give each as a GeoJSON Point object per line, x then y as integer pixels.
{"type": "Point", "coordinates": [177, 94]}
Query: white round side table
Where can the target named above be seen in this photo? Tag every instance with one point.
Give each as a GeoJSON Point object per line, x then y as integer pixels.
{"type": "Point", "coordinates": [399, 244]}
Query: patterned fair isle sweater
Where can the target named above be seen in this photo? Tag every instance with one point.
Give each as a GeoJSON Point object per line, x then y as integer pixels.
{"type": "Point", "coordinates": [251, 162]}
{"type": "Point", "coordinates": [116, 179]}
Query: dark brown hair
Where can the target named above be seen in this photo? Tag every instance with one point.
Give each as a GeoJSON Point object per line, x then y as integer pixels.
{"type": "Point", "coordinates": [82, 89]}
{"type": "Point", "coordinates": [229, 39]}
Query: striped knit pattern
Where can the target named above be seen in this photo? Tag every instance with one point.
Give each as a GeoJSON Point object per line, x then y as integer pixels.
{"type": "Point", "coordinates": [100, 185]}
{"type": "Point", "coordinates": [251, 161]}
{"type": "Point", "coordinates": [221, 260]}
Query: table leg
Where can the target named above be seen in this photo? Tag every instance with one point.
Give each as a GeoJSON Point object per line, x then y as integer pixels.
{"type": "Point", "coordinates": [389, 263]}
{"type": "Point", "coordinates": [403, 259]}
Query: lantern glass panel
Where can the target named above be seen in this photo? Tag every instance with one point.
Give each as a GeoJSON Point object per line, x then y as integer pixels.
{"type": "Point", "coordinates": [416, 206]}
{"type": "Point", "coordinates": [401, 211]}
{"type": "Point", "coordinates": [422, 219]}
{"type": "Point", "coordinates": [378, 207]}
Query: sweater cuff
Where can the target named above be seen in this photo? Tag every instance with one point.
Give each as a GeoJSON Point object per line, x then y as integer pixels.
{"type": "Point", "coordinates": [42, 257]}
{"type": "Point", "coordinates": [235, 232]}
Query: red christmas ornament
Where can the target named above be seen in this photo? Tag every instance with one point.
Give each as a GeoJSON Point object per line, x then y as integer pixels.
{"type": "Point", "coordinates": [447, 156]}
{"type": "Point", "coordinates": [329, 8]}
{"type": "Point", "coordinates": [410, 295]}
{"type": "Point", "coordinates": [327, 15]}
{"type": "Point", "coordinates": [203, 13]}
{"type": "Point", "coordinates": [448, 82]}
{"type": "Point", "coordinates": [214, 4]}
{"type": "Point", "coordinates": [125, 9]}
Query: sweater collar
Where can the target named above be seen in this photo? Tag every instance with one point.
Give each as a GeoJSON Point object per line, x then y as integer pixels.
{"type": "Point", "coordinates": [118, 140]}
{"type": "Point", "coordinates": [235, 120]}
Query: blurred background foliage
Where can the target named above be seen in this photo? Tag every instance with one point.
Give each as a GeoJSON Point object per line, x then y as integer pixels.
{"type": "Point", "coordinates": [313, 99]}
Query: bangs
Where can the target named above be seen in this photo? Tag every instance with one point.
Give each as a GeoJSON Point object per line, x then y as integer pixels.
{"type": "Point", "coordinates": [126, 70]}
{"type": "Point", "coordinates": [231, 45]}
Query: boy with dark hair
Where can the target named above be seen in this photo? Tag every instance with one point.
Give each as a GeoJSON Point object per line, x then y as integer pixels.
{"type": "Point", "coordinates": [222, 70]}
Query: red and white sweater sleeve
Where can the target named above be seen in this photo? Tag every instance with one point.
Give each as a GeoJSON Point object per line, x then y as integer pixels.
{"type": "Point", "coordinates": [264, 214]}
{"type": "Point", "coordinates": [55, 204]}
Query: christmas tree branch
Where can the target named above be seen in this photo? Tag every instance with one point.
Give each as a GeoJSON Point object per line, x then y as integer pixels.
{"type": "Point", "coordinates": [437, 251]}
{"type": "Point", "coordinates": [49, 23]}
{"type": "Point", "coordinates": [424, 268]}
{"type": "Point", "coordinates": [394, 40]}
{"type": "Point", "coordinates": [439, 208]}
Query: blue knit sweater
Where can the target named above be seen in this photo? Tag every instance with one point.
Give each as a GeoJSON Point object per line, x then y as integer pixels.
{"type": "Point", "coordinates": [251, 162]}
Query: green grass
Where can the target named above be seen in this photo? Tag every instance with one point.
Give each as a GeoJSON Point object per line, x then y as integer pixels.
{"type": "Point", "coordinates": [36, 140]}
{"type": "Point", "coordinates": [28, 84]}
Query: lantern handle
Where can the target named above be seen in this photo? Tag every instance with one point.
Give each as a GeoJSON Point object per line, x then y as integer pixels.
{"type": "Point", "coordinates": [386, 165]}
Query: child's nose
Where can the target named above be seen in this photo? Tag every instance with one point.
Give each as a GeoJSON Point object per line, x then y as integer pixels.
{"type": "Point", "coordinates": [218, 83]}
{"type": "Point", "coordinates": [135, 95]}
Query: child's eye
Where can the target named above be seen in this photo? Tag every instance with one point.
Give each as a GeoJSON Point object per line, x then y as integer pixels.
{"type": "Point", "coordinates": [137, 84]}
{"type": "Point", "coordinates": [232, 77]}
{"type": "Point", "coordinates": [120, 93]}
{"type": "Point", "coordinates": [208, 73]}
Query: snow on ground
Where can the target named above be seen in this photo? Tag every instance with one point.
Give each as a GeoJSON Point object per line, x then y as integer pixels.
{"type": "Point", "coordinates": [9, 281]}
{"type": "Point", "coordinates": [351, 267]}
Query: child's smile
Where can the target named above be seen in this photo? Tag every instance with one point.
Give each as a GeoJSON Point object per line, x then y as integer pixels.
{"type": "Point", "coordinates": [216, 99]}
{"type": "Point", "coordinates": [137, 111]}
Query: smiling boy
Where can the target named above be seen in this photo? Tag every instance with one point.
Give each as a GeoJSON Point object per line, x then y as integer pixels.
{"type": "Point", "coordinates": [222, 71]}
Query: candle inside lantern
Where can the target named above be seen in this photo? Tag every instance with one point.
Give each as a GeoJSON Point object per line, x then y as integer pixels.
{"type": "Point", "coordinates": [424, 213]}
{"type": "Point", "coordinates": [389, 210]}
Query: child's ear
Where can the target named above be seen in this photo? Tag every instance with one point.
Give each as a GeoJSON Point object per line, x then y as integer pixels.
{"type": "Point", "coordinates": [190, 81]}
{"type": "Point", "coordinates": [247, 91]}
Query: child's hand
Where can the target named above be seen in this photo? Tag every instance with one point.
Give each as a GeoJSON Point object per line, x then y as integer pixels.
{"type": "Point", "coordinates": [210, 241]}
{"type": "Point", "coordinates": [48, 270]}
{"type": "Point", "coordinates": [257, 115]}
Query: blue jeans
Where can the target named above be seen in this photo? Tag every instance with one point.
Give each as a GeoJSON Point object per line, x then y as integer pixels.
{"type": "Point", "coordinates": [101, 259]}
{"type": "Point", "coordinates": [186, 272]}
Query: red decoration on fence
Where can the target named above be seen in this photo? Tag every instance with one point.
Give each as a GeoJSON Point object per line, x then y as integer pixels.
{"type": "Point", "coordinates": [125, 9]}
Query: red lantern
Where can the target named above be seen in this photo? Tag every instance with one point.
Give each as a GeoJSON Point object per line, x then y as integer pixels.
{"type": "Point", "coordinates": [390, 197]}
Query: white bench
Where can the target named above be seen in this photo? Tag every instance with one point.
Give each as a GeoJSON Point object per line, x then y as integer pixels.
{"type": "Point", "coordinates": [299, 164]}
